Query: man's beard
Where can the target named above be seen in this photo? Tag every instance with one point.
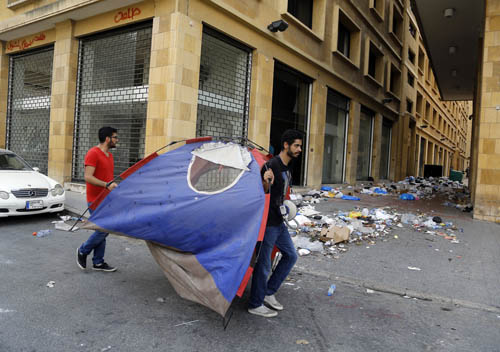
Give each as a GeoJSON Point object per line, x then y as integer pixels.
{"type": "Point", "coordinates": [111, 145]}
{"type": "Point", "coordinates": [291, 155]}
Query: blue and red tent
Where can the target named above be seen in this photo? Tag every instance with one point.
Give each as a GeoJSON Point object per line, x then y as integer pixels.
{"type": "Point", "coordinates": [201, 209]}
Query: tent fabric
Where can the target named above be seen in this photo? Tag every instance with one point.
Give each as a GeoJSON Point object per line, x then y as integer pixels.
{"type": "Point", "coordinates": [227, 154]}
{"type": "Point", "coordinates": [203, 242]}
{"type": "Point", "coordinates": [189, 279]}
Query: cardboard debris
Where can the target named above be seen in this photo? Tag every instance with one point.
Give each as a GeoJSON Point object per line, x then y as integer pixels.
{"type": "Point", "coordinates": [335, 233]}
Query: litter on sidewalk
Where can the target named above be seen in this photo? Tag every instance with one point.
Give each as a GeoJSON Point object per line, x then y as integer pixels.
{"type": "Point", "coordinates": [331, 233]}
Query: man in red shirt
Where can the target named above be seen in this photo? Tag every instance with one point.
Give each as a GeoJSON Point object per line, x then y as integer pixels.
{"type": "Point", "coordinates": [99, 169]}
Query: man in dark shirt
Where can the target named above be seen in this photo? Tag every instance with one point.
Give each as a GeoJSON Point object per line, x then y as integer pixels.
{"type": "Point", "coordinates": [276, 178]}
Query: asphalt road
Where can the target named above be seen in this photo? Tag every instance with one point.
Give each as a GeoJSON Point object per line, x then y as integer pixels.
{"type": "Point", "coordinates": [96, 311]}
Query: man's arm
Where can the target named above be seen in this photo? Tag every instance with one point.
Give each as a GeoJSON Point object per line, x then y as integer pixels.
{"type": "Point", "coordinates": [90, 178]}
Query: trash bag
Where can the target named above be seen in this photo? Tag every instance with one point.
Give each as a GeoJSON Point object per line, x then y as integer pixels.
{"type": "Point", "coordinates": [407, 196]}
{"type": "Point", "coordinates": [380, 190]}
{"type": "Point", "coordinates": [345, 197]}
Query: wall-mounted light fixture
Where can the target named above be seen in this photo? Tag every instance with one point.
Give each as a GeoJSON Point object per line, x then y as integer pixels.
{"type": "Point", "coordinates": [448, 13]}
{"type": "Point", "coordinates": [471, 117]}
{"type": "Point", "coordinates": [278, 26]}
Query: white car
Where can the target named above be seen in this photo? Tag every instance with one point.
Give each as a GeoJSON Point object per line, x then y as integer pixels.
{"type": "Point", "coordinates": [23, 190]}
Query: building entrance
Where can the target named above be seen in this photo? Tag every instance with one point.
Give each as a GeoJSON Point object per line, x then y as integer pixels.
{"type": "Point", "coordinates": [112, 90]}
{"type": "Point", "coordinates": [385, 150]}
{"type": "Point", "coordinates": [28, 112]}
{"type": "Point", "coordinates": [337, 108]}
{"type": "Point", "coordinates": [365, 144]}
{"type": "Point", "coordinates": [224, 88]}
{"type": "Point", "coordinates": [291, 97]}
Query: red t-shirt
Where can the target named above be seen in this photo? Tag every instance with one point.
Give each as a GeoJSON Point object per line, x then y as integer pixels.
{"type": "Point", "coordinates": [104, 168]}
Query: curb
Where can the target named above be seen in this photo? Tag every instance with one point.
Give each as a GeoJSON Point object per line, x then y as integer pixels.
{"type": "Point", "coordinates": [74, 211]}
{"type": "Point", "coordinates": [403, 292]}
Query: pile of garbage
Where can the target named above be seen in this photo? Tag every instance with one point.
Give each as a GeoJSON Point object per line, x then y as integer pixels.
{"type": "Point", "coordinates": [411, 188]}
{"type": "Point", "coordinates": [331, 234]}
{"type": "Point", "coordinates": [415, 188]}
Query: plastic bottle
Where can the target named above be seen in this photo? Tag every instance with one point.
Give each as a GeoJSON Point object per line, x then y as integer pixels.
{"type": "Point", "coordinates": [331, 290]}
{"type": "Point", "coordinates": [42, 233]}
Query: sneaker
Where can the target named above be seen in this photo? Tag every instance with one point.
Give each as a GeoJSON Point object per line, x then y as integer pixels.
{"type": "Point", "coordinates": [103, 267]}
{"type": "Point", "coordinates": [272, 302]}
{"type": "Point", "coordinates": [263, 311]}
{"type": "Point", "coordinates": [81, 259]}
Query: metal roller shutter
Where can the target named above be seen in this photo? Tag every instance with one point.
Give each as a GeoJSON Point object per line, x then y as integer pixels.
{"type": "Point", "coordinates": [224, 86]}
{"type": "Point", "coordinates": [28, 112]}
{"type": "Point", "coordinates": [112, 90]}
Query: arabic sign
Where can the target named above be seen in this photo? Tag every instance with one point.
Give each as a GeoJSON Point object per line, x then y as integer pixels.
{"type": "Point", "coordinates": [127, 14]}
{"type": "Point", "coordinates": [22, 44]}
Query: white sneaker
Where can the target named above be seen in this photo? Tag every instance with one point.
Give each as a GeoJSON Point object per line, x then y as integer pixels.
{"type": "Point", "coordinates": [263, 311]}
{"type": "Point", "coordinates": [272, 302]}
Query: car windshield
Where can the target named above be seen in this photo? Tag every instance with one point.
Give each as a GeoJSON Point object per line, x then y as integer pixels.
{"type": "Point", "coordinates": [10, 161]}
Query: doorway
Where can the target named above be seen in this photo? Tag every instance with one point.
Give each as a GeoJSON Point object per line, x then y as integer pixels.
{"type": "Point", "coordinates": [365, 144]}
{"type": "Point", "coordinates": [385, 149]}
{"type": "Point", "coordinates": [337, 111]}
{"type": "Point", "coordinates": [291, 107]}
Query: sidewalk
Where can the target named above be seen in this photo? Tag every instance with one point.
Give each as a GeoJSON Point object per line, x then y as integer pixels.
{"type": "Point", "coordinates": [463, 273]}
{"type": "Point", "coordinates": [76, 203]}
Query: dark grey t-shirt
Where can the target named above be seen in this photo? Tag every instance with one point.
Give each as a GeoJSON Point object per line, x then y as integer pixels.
{"type": "Point", "coordinates": [282, 179]}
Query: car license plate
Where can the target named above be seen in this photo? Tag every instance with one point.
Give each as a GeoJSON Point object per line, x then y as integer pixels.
{"type": "Point", "coordinates": [34, 204]}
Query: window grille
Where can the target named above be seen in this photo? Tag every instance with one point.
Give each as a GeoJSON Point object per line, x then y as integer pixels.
{"type": "Point", "coordinates": [224, 87]}
{"type": "Point", "coordinates": [28, 112]}
{"type": "Point", "coordinates": [112, 90]}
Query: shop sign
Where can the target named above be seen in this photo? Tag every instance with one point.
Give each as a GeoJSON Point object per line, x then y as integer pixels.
{"type": "Point", "coordinates": [127, 14]}
{"type": "Point", "coordinates": [24, 43]}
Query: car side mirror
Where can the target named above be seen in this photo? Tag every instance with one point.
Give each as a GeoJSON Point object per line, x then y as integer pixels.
{"type": "Point", "coordinates": [37, 169]}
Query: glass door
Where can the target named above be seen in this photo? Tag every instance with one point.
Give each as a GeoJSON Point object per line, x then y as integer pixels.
{"type": "Point", "coordinates": [422, 157]}
{"type": "Point", "coordinates": [385, 149]}
{"type": "Point", "coordinates": [337, 108]}
{"type": "Point", "coordinates": [364, 145]}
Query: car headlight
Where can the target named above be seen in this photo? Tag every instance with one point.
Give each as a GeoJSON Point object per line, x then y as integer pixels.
{"type": "Point", "coordinates": [4, 195]}
{"type": "Point", "coordinates": [57, 190]}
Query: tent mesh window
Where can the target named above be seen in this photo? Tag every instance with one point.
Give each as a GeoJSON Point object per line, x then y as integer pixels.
{"type": "Point", "coordinates": [28, 109]}
{"type": "Point", "coordinates": [112, 90]}
{"type": "Point", "coordinates": [206, 176]}
{"type": "Point", "coordinates": [224, 86]}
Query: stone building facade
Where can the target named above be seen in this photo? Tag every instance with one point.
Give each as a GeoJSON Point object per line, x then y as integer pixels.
{"type": "Point", "coordinates": [352, 74]}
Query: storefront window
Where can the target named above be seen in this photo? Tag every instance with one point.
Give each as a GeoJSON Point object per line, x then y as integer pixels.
{"type": "Point", "coordinates": [422, 157]}
{"type": "Point", "coordinates": [224, 86]}
{"type": "Point", "coordinates": [365, 144]}
{"type": "Point", "coordinates": [335, 137]}
{"type": "Point", "coordinates": [113, 77]}
{"type": "Point", "coordinates": [28, 114]}
{"type": "Point", "coordinates": [385, 149]}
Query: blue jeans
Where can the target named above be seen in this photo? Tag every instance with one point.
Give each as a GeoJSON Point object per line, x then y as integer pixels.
{"type": "Point", "coordinates": [96, 243]}
{"type": "Point", "coordinates": [261, 287]}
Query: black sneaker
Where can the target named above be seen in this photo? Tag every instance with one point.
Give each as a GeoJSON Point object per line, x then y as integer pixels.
{"type": "Point", "coordinates": [81, 259]}
{"type": "Point", "coordinates": [103, 267]}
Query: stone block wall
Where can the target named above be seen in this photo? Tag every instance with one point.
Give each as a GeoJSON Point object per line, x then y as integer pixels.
{"type": "Point", "coordinates": [62, 111]}
{"type": "Point", "coordinates": [4, 83]}
{"type": "Point", "coordinates": [174, 76]}
{"type": "Point", "coordinates": [487, 195]}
